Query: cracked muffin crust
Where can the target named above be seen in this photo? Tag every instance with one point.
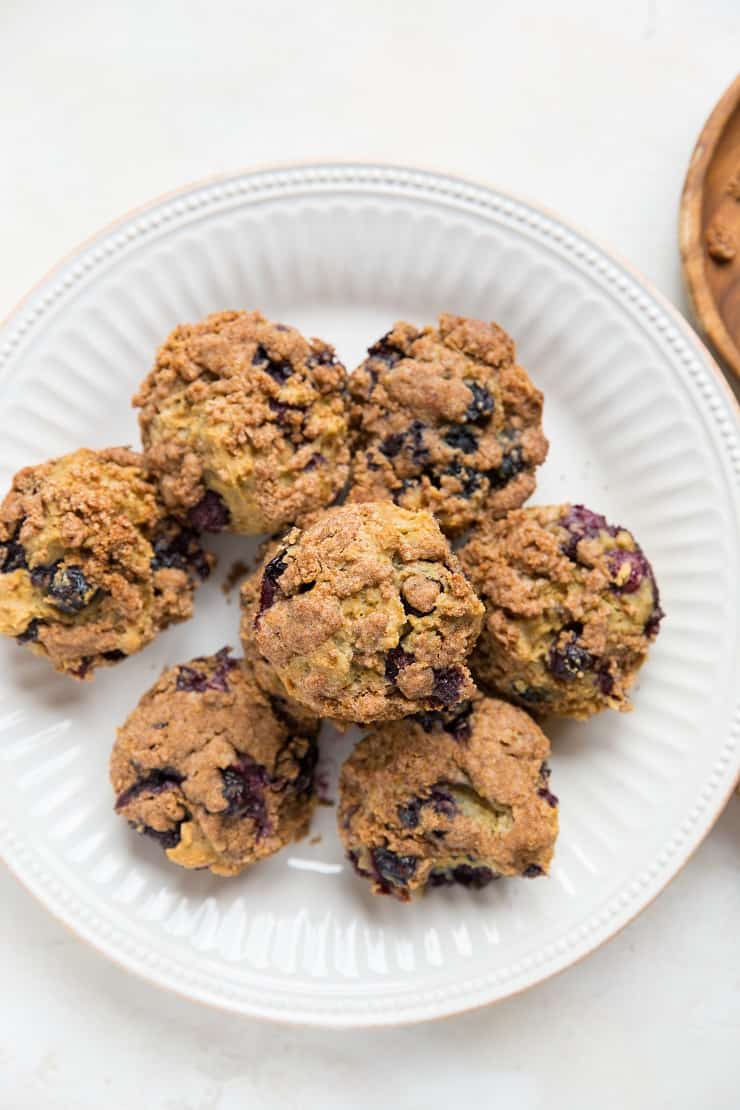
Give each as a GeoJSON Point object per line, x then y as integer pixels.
{"type": "Point", "coordinates": [444, 419]}
{"type": "Point", "coordinates": [444, 798]}
{"type": "Point", "coordinates": [215, 771]}
{"type": "Point", "coordinates": [245, 423]}
{"type": "Point", "coordinates": [571, 609]}
{"type": "Point", "coordinates": [365, 615]}
{"type": "Point", "coordinates": [91, 565]}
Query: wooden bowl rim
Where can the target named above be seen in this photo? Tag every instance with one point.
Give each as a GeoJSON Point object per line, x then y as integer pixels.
{"type": "Point", "coordinates": [690, 229]}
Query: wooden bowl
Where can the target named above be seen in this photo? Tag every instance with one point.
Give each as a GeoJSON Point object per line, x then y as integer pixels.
{"type": "Point", "coordinates": [710, 228]}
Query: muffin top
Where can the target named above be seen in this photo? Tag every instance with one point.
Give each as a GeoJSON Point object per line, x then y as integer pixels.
{"type": "Point", "coordinates": [442, 798]}
{"type": "Point", "coordinates": [244, 422]}
{"type": "Point", "coordinates": [444, 419]}
{"type": "Point", "coordinates": [91, 564]}
{"type": "Point", "coordinates": [366, 615]}
{"type": "Point", "coordinates": [571, 608]}
{"type": "Point", "coordinates": [211, 768]}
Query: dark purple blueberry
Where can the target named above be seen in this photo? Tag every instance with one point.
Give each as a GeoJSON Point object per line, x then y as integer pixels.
{"type": "Point", "coordinates": [42, 575]}
{"type": "Point", "coordinates": [210, 514]}
{"type": "Point", "coordinates": [192, 681]}
{"type": "Point", "coordinates": [410, 442]}
{"type": "Point", "coordinates": [468, 478]}
{"type": "Point", "coordinates": [512, 464]}
{"type": "Point", "coordinates": [448, 682]}
{"type": "Point", "coordinates": [408, 814]}
{"type": "Point", "coordinates": [168, 839]}
{"type": "Point", "coordinates": [461, 439]}
{"type": "Point", "coordinates": [637, 569]}
{"type": "Point", "coordinates": [430, 719]}
{"type": "Point", "coordinates": [84, 667]}
{"type": "Point", "coordinates": [31, 633]}
{"type": "Point", "coordinates": [305, 587]}
{"type": "Point", "coordinates": [303, 783]}
{"type": "Point", "coordinates": [66, 587]}
{"type": "Point", "coordinates": [278, 369]}
{"type": "Point", "coordinates": [395, 661]}
{"type": "Point", "coordinates": [385, 351]}
{"type": "Point", "coordinates": [442, 801]}
{"type": "Point", "coordinates": [581, 523]}
{"type": "Point", "coordinates": [224, 664]}
{"type": "Point", "coordinates": [179, 549]}
{"type": "Point", "coordinates": [156, 782]}
{"type": "Point", "coordinates": [652, 624]}
{"type": "Point", "coordinates": [580, 519]}
{"type": "Point", "coordinates": [269, 586]}
{"type": "Point", "coordinates": [457, 726]}
{"type": "Point", "coordinates": [418, 450]}
{"type": "Point", "coordinates": [533, 871]}
{"type": "Point", "coordinates": [567, 662]}
{"type": "Point", "coordinates": [12, 557]}
{"type": "Point", "coordinates": [392, 444]}
{"type": "Point", "coordinates": [282, 410]}
{"type": "Point", "coordinates": [605, 681]}
{"type": "Point", "coordinates": [393, 869]}
{"type": "Point", "coordinates": [324, 357]}
{"type": "Point", "coordinates": [550, 798]}
{"type": "Point", "coordinates": [474, 878]}
{"type": "Point", "coordinates": [243, 788]}
{"type": "Point", "coordinates": [440, 878]}
{"type": "Point", "coordinates": [114, 656]}
{"type": "Point", "coordinates": [480, 408]}
{"type": "Point", "coordinates": [460, 726]}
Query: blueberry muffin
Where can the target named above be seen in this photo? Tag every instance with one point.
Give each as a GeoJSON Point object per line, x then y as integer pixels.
{"type": "Point", "coordinates": [445, 797]}
{"type": "Point", "coordinates": [365, 615]}
{"type": "Point", "coordinates": [214, 770]}
{"type": "Point", "coordinates": [245, 423]}
{"type": "Point", "coordinates": [92, 567]}
{"type": "Point", "coordinates": [444, 419]}
{"type": "Point", "coordinates": [571, 609]}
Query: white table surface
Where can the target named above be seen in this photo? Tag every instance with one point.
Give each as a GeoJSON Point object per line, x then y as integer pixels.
{"type": "Point", "coordinates": [592, 109]}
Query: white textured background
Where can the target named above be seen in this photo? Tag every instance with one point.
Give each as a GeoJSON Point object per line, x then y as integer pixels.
{"type": "Point", "coordinates": [589, 108]}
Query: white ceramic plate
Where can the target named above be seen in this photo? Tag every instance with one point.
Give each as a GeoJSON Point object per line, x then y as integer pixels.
{"type": "Point", "coordinates": [641, 428]}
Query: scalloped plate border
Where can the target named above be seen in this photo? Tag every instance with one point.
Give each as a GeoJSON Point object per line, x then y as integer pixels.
{"type": "Point", "coordinates": [711, 395]}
